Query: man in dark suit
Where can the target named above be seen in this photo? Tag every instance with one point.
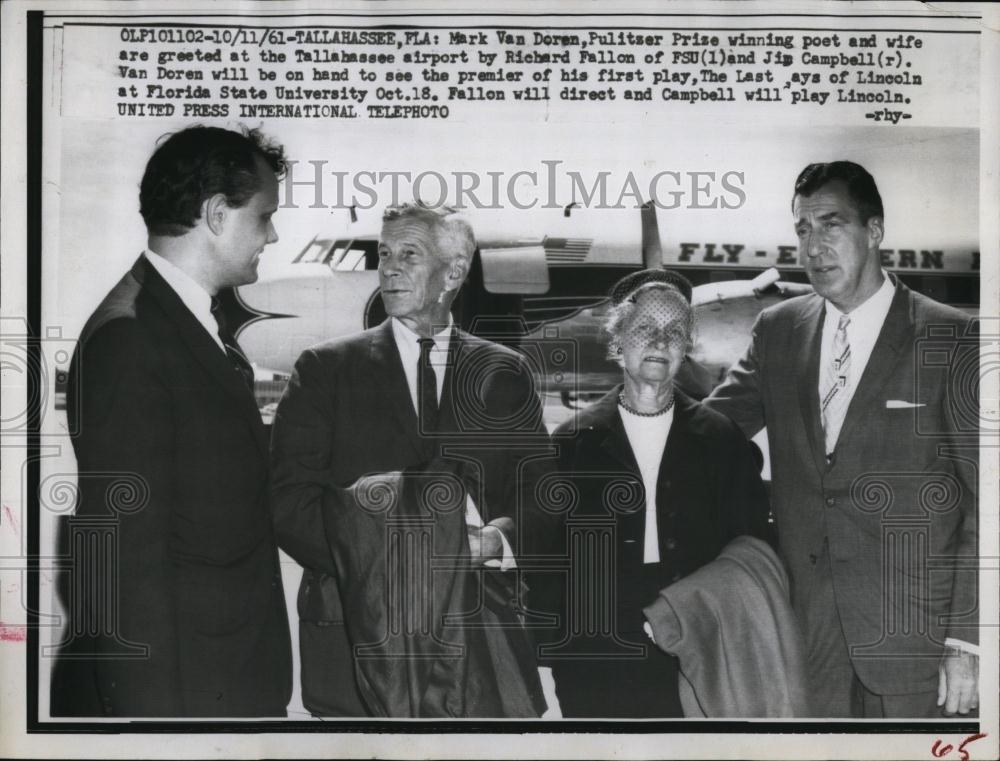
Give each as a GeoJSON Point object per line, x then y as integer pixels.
{"type": "Point", "coordinates": [873, 442]}
{"type": "Point", "coordinates": [184, 615]}
{"type": "Point", "coordinates": [389, 408]}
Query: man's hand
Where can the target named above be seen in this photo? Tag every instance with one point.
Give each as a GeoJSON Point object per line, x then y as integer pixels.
{"type": "Point", "coordinates": [958, 681]}
{"type": "Point", "coordinates": [484, 543]}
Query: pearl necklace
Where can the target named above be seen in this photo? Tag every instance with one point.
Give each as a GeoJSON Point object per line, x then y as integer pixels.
{"type": "Point", "coordinates": [629, 408]}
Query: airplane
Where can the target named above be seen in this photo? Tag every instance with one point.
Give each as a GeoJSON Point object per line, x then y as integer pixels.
{"type": "Point", "coordinates": [547, 297]}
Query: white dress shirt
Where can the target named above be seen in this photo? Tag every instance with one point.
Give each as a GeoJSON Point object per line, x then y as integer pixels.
{"type": "Point", "coordinates": [195, 298]}
{"type": "Point", "coordinates": [408, 345]}
{"type": "Point", "coordinates": [862, 333]}
{"type": "Point", "coordinates": [648, 436]}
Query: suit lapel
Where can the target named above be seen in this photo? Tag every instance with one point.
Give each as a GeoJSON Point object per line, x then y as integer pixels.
{"type": "Point", "coordinates": [447, 419]}
{"type": "Point", "coordinates": [452, 421]}
{"type": "Point", "coordinates": [680, 448]}
{"type": "Point", "coordinates": [388, 373]}
{"type": "Point", "coordinates": [615, 440]}
{"type": "Point", "coordinates": [202, 346]}
{"type": "Point", "coordinates": [896, 331]}
{"type": "Point", "coordinates": [808, 333]}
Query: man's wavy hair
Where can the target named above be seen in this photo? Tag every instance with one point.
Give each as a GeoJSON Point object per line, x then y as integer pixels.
{"type": "Point", "coordinates": [452, 231]}
{"type": "Point", "coordinates": [861, 187]}
{"type": "Point", "coordinates": [196, 163]}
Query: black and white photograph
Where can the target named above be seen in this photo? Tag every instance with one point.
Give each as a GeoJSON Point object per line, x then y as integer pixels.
{"type": "Point", "coordinates": [523, 380]}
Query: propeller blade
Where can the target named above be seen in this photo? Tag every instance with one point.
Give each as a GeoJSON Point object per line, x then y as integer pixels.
{"type": "Point", "coordinates": [652, 252]}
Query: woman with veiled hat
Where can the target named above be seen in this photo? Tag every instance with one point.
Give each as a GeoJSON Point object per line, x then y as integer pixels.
{"type": "Point", "coordinates": [660, 485]}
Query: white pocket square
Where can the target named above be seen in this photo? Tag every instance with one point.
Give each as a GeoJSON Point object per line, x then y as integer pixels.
{"type": "Point", "coordinates": [898, 404]}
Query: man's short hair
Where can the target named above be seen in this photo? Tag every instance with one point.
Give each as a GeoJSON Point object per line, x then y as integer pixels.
{"type": "Point", "coordinates": [196, 163]}
{"type": "Point", "coordinates": [452, 231]}
{"type": "Point", "coordinates": [861, 188]}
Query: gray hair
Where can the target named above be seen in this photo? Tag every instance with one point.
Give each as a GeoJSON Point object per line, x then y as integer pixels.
{"type": "Point", "coordinates": [452, 231]}
{"type": "Point", "coordinates": [619, 314]}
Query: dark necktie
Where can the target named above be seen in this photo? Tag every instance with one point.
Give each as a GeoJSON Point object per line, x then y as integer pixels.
{"type": "Point", "coordinates": [427, 388]}
{"type": "Point", "coordinates": [236, 356]}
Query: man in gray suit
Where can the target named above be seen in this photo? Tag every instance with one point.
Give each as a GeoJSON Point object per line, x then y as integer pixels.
{"type": "Point", "coordinates": [873, 442]}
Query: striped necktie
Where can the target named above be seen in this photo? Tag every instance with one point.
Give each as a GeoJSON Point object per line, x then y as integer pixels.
{"type": "Point", "coordinates": [835, 387]}
{"type": "Point", "coordinates": [236, 356]}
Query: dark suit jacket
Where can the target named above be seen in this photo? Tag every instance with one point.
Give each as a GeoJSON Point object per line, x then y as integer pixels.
{"type": "Point", "coordinates": [708, 492]}
{"type": "Point", "coordinates": [346, 413]}
{"type": "Point", "coordinates": [897, 505]}
{"type": "Point", "coordinates": [172, 452]}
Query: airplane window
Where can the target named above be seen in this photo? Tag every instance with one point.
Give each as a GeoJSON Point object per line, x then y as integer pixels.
{"type": "Point", "coordinates": [314, 252]}
{"type": "Point", "coordinates": [336, 254]}
{"type": "Point", "coordinates": [349, 260]}
{"type": "Point", "coordinates": [343, 255]}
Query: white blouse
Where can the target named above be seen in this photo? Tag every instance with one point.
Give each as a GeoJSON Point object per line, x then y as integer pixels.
{"type": "Point", "coordinates": [648, 436]}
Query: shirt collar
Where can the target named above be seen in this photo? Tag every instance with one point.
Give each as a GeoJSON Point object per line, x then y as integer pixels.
{"type": "Point", "coordinates": [872, 311]}
{"type": "Point", "coordinates": [405, 336]}
{"type": "Point", "coordinates": [195, 298]}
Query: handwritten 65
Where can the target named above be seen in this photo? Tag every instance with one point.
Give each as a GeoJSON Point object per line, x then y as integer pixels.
{"type": "Point", "coordinates": [940, 751]}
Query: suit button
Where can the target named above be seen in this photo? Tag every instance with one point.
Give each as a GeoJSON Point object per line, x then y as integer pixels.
{"type": "Point", "coordinates": [670, 544]}
{"type": "Point", "coordinates": [830, 501]}
{"type": "Point", "coordinates": [672, 514]}
{"type": "Point", "coordinates": [813, 559]}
